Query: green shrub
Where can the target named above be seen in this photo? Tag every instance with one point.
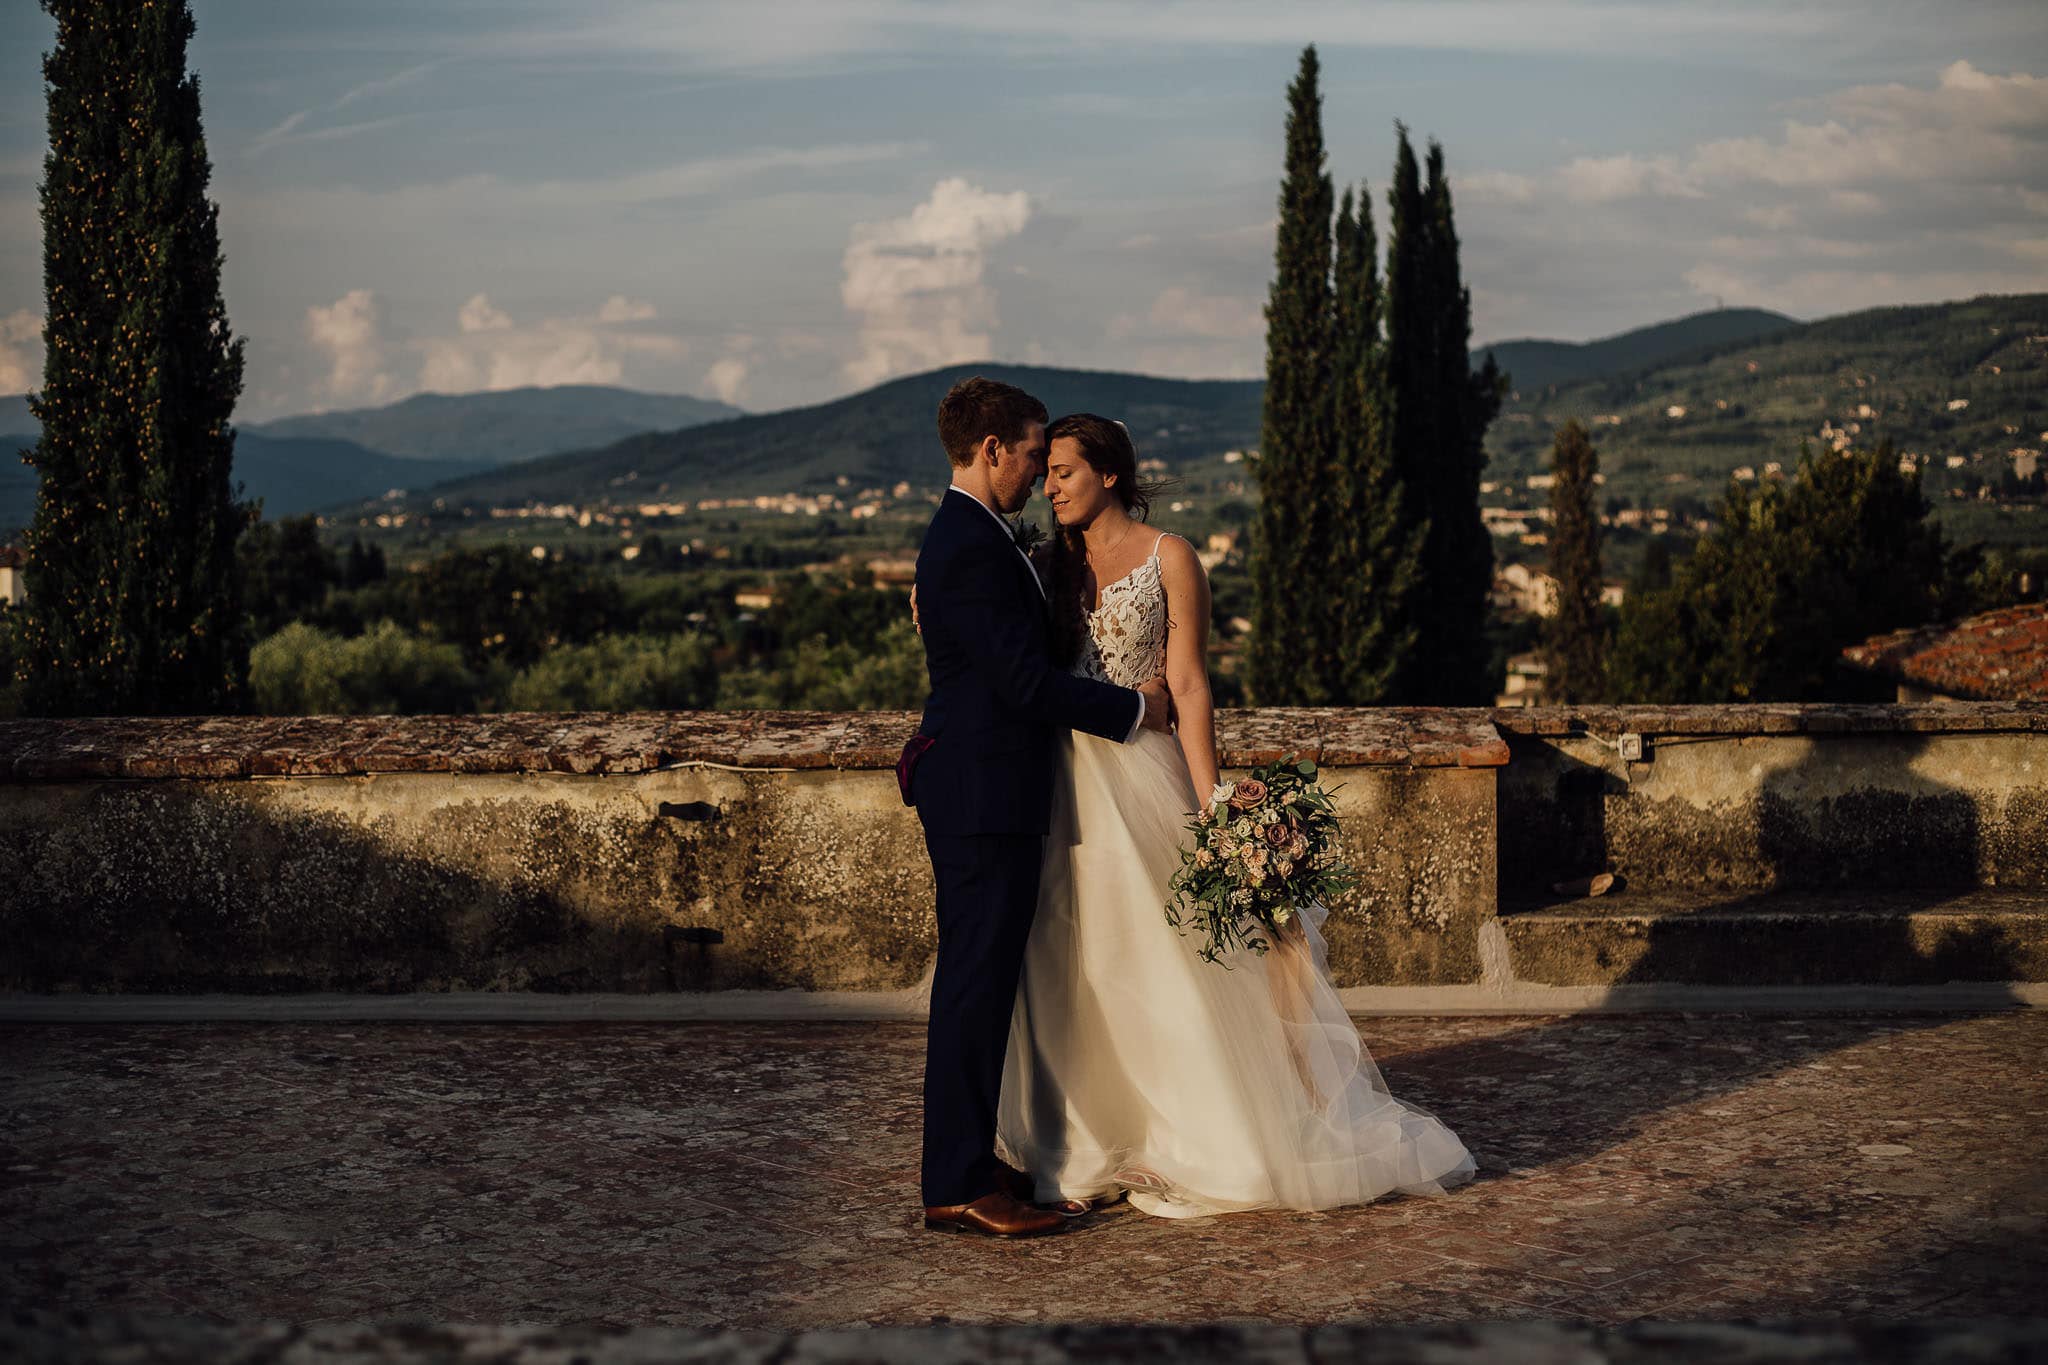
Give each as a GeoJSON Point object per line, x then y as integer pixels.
{"type": "Point", "coordinates": [385, 671]}
{"type": "Point", "coordinates": [619, 673]}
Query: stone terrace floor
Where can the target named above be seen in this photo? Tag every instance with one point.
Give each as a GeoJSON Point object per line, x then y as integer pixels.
{"type": "Point", "coordinates": [762, 1175]}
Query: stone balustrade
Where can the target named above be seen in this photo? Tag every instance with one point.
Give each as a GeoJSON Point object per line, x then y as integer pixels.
{"type": "Point", "coordinates": [702, 854]}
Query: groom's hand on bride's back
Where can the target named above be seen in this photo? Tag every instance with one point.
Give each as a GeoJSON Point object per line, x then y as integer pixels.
{"type": "Point", "coordinates": [1158, 706]}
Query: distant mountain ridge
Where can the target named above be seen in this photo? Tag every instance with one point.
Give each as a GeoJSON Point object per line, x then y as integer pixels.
{"type": "Point", "coordinates": [1963, 379]}
{"type": "Point", "coordinates": [504, 425]}
{"type": "Point", "coordinates": [875, 438]}
{"type": "Point", "coordinates": [1537, 364]}
{"type": "Point", "coordinates": [291, 475]}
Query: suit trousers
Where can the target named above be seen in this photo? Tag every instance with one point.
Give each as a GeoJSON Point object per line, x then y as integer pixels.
{"type": "Point", "coordinates": [987, 895]}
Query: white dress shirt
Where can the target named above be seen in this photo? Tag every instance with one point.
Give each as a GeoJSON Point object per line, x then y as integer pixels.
{"type": "Point", "coordinates": [1010, 535]}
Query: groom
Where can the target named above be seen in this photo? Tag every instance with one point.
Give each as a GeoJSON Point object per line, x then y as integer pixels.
{"type": "Point", "coordinates": [980, 772]}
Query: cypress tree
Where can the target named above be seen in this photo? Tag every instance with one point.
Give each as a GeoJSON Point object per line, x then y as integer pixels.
{"type": "Point", "coordinates": [1440, 413]}
{"type": "Point", "coordinates": [1378, 543]}
{"type": "Point", "coordinates": [1288, 658]}
{"type": "Point", "coordinates": [1573, 647]}
{"type": "Point", "coordinates": [1468, 402]}
{"type": "Point", "coordinates": [1410, 371]}
{"type": "Point", "coordinates": [135, 601]}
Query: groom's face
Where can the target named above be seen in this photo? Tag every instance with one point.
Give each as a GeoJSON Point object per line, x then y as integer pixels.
{"type": "Point", "coordinates": [1018, 468]}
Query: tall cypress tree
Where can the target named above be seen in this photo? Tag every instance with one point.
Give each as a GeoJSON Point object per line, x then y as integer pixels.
{"type": "Point", "coordinates": [1288, 658]}
{"type": "Point", "coordinates": [1440, 414]}
{"type": "Point", "coordinates": [134, 590]}
{"type": "Point", "coordinates": [1412, 416]}
{"type": "Point", "coordinates": [1468, 401]}
{"type": "Point", "coordinates": [1377, 547]}
{"type": "Point", "coordinates": [1573, 646]}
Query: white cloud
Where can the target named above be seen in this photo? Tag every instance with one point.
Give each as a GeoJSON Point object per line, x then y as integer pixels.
{"type": "Point", "coordinates": [619, 308]}
{"type": "Point", "coordinates": [1180, 313]}
{"type": "Point", "coordinates": [1504, 187]}
{"type": "Point", "coordinates": [1971, 125]}
{"type": "Point", "coordinates": [727, 379]}
{"type": "Point", "coordinates": [917, 283]}
{"type": "Point", "coordinates": [21, 351]}
{"type": "Point", "coordinates": [347, 331]}
{"type": "Point", "coordinates": [719, 35]}
{"type": "Point", "coordinates": [1891, 194]}
{"type": "Point", "coordinates": [479, 316]}
{"type": "Point", "coordinates": [287, 129]}
{"type": "Point", "coordinates": [1597, 179]}
{"type": "Point", "coordinates": [493, 352]}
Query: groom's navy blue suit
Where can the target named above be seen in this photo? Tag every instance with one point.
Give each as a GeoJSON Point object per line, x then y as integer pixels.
{"type": "Point", "coordinates": [984, 793]}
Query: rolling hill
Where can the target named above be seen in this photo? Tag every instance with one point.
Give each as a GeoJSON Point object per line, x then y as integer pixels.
{"type": "Point", "coordinates": [1535, 365]}
{"type": "Point", "coordinates": [1750, 386]}
{"type": "Point", "coordinates": [1966, 379]}
{"type": "Point", "coordinates": [291, 475]}
{"type": "Point", "coordinates": [872, 439]}
{"type": "Point", "coordinates": [504, 426]}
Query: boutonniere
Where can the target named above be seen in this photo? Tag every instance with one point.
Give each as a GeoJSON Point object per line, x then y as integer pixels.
{"type": "Point", "coordinates": [1029, 535]}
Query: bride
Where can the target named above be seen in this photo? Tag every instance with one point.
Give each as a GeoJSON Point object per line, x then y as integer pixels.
{"type": "Point", "coordinates": [1134, 1066]}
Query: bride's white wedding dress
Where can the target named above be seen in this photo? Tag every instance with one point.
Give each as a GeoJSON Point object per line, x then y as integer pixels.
{"type": "Point", "coordinates": [1135, 1065]}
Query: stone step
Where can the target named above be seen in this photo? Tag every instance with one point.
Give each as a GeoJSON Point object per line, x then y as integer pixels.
{"type": "Point", "coordinates": [1901, 936]}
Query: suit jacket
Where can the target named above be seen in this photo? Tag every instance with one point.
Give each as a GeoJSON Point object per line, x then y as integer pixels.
{"type": "Point", "coordinates": [997, 701]}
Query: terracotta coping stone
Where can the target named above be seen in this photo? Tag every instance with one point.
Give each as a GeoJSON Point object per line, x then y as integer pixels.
{"type": "Point", "coordinates": [641, 741]}
{"type": "Point", "coordinates": [1778, 718]}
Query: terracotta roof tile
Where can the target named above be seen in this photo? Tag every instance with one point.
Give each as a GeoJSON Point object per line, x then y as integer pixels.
{"type": "Point", "coordinates": [1995, 656]}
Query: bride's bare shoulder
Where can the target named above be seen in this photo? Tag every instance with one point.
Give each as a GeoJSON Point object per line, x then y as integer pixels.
{"type": "Point", "coordinates": [1177, 557]}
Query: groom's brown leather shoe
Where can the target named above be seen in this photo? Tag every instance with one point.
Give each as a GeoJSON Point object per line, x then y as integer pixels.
{"type": "Point", "coordinates": [997, 1214]}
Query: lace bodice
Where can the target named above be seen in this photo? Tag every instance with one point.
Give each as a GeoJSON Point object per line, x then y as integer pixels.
{"type": "Point", "coordinates": [1126, 639]}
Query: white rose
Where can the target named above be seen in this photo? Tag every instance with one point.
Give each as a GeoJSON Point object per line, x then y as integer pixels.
{"type": "Point", "coordinates": [1243, 828]}
{"type": "Point", "coordinates": [1221, 793]}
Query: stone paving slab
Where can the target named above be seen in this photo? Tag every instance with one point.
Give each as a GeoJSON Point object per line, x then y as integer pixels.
{"type": "Point", "coordinates": [737, 1176]}
{"type": "Point", "coordinates": [41, 1337]}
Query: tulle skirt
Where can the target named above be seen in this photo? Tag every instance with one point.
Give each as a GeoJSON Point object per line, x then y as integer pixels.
{"type": "Point", "coordinates": [1134, 1065]}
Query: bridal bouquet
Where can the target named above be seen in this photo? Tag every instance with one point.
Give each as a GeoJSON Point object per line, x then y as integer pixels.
{"type": "Point", "coordinates": [1265, 847]}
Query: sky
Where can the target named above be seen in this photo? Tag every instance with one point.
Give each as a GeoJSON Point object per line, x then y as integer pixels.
{"type": "Point", "coordinates": [777, 202]}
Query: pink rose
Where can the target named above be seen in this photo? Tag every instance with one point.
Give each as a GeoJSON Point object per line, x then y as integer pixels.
{"type": "Point", "coordinates": [1250, 792]}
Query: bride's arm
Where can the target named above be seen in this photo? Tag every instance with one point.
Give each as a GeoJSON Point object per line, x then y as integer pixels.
{"type": "Point", "coordinates": [1187, 653]}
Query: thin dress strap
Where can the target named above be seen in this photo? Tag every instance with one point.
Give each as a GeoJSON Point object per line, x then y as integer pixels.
{"type": "Point", "coordinates": [1155, 544]}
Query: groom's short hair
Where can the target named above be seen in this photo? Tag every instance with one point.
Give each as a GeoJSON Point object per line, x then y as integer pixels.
{"type": "Point", "coordinates": [975, 409]}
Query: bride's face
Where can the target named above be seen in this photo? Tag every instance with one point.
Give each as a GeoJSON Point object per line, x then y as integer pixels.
{"type": "Point", "coordinates": [1076, 491]}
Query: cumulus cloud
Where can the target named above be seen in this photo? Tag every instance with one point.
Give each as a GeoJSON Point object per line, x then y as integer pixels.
{"type": "Point", "coordinates": [1875, 194]}
{"type": "Point", "coordinates": [1597, 179]}
{"type": "Point", "coordinates": [21, 351]}
{"type": "Point", "coordinates": [619, 308]}
{"type": "Point", "coordinates": [491, 351]}
{"type": "Point", "coordinates": [479, 316]}
{"type": "Point", "coordinates": [727, 379]}
{"type": "Point", "coordinates": [347, 332]}
{"type": "Point", "coordinates": [918, 283]}
{"type": "Point", "coordinates": [1970, 125]}
{"type": "Point", "coordinates": [1180, 313]}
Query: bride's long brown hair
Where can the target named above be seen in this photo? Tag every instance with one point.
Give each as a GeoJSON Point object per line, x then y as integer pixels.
{"type": "Point", "coordinates": [1107, 447]}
